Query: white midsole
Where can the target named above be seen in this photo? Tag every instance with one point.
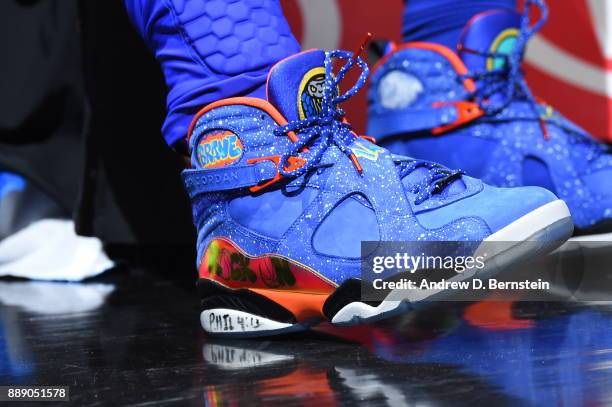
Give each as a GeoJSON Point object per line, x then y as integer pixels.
{"type": "Point", "coordinates": [529, 224]}
{"type": "Point", "coordinates": [603, 239]}
{"type": "Point", "coordinates": [229, 321]}
{"type": "Point", "coordinates": [518, 231]}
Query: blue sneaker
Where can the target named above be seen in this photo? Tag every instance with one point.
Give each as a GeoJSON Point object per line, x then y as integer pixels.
{"type": "Point", "coordinates": [284, 192]}
{"type": "Point", "coordinates": [473, 110]}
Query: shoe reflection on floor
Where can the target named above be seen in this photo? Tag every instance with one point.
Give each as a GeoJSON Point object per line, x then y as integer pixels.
{"type": "Point", "coordinates": [38, 299]}
{"type": "Point", "coordinates": [484, 353]}
{"type": "Point", "coordinates": [136, 339]}
{"type": "Point", "coordinates": [15, 358]}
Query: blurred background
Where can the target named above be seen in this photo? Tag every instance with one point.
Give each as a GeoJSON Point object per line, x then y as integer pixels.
{"type": "Point", "coordinates": [569, 63]}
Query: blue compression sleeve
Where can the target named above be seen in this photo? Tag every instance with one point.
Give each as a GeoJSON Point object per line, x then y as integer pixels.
{"type": "Point", "coordinates": [442, 21]}
{"type": "Point", "coordinates": [210, 50]}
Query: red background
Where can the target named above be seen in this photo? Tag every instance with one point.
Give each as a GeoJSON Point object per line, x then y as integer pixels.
{"type": "Point", "coordinates": [383, 18]}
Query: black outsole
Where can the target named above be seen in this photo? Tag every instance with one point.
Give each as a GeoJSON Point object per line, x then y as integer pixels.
{"type": "Point", "coordinates": [215, 295]}
{"type": "Point", "coordinates": [348, 292]}
{"type": "Point", "coordinates": [597, 229]}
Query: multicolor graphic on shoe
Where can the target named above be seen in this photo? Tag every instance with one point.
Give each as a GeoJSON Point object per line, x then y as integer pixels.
{"type": "Point", "coordinates": [503, 44]}
{"type": "Point", "coordinates": [310, 93]}
{"type": "Point", "coordinates": [226, 263]}
{"type": "Point", "coordinates": [219, 148]}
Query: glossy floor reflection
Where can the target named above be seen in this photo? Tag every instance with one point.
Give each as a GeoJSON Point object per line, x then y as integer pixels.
{"type": "Point", "coordinates": [135, 340]}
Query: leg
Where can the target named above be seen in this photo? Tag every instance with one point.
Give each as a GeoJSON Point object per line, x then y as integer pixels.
{"type": "Point", "coordinates": [442, 21]}
{"type": "Point", "coordinates": [43, 117]}
{"type": "Point", "coordinates": [211, 50]}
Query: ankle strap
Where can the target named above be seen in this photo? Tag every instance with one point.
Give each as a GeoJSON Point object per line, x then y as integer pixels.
{"type": "Point", "coordinates": [227, 178]}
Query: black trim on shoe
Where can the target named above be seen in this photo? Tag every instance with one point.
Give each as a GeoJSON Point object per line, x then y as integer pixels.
{"type": "Point", "coordinates": [604, 226]}
{"type": "Point", "coordinates": [348, 292]}
{"type": "Point", "coordinates": [376, 50]}
{"type": "Point", "coordinates": [215, 295]}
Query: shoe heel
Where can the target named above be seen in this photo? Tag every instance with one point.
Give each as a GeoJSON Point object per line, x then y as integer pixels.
{"type": "Point", "coordinates": [231, 323]}
{"type": "Point", "coordinates": [244, 313]}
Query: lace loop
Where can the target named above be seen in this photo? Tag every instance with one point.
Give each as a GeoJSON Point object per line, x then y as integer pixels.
{"type": "Point", "coordinates": [437, 179]}
{"type": "Point", "coordinates": [329, 128]}
{"type": "Point", "coordinates": [509, 80]}
{"type": "Point", "coordinates": [316, 134]}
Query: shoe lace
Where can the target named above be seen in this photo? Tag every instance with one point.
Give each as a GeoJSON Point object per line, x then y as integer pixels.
{"type": "Point", "coordinates": [329, 128]}
{"type": "Point", "coordinates": [435, 181]}
{"type": "Point", "coordinates": [509, 80]}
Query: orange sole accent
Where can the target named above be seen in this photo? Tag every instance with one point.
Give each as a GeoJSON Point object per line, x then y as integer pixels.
{"type": "Point", "coordinates": [302, 305]}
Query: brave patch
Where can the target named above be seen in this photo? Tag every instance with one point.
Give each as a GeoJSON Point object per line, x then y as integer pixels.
{"type": "Point", "coordinates": [218, 149]}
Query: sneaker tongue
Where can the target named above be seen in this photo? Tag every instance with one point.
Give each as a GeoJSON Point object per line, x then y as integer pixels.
{"type": "Point", "coordinates": [490, 31]}
{"type": "Point", "coordinates": [295, 85]}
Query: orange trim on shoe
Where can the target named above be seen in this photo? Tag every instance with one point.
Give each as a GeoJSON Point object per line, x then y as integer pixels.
{"type": "Point", "coordinates": [249, 101]}
{"type": "Point", "coordinates": [369, 138]}
{"type": "Point", "coordinates": [466, 112]}
{"type": "Point", "coordinates": [446, 52]}
{"type": "Point", "coordinates": [303, 306]}
{"type": "Point", "coordinates": [294, 164]}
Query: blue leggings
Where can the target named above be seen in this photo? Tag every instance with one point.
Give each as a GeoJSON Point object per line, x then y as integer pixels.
{"type": "Point", "coordinates": [214, 49]}
{"type": "Point", "coordinates": [210, 50]}
{"type": "Point", "coordinates": [442, 21]}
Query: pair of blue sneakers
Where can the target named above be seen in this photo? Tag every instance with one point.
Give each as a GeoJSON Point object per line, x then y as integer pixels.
{"type": "Point", "coordinates": [284, 192]}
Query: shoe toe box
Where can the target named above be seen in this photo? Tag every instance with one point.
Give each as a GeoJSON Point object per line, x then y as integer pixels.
{"type": "Point", "coordinates": [497, 207]}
